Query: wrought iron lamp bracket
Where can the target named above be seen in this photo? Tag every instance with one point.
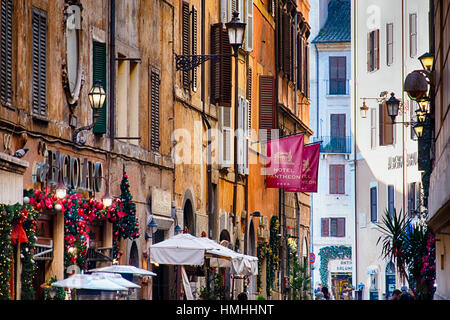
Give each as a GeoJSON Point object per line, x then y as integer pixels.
{"type": "Point", "coordinates": [189, 62]}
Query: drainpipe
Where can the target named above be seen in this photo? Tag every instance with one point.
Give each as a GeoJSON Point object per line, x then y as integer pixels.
{"type": "Point", "coordinates": [112, 72]}
{"type": "Point", "coordinates": [355, 113]}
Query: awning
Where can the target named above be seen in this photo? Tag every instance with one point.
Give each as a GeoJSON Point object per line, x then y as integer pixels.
{"type": "Point", "coordinates": [185, 249]}
{"type": "Point", "coordinates": [124, 269]}
{"type": "Point", "coordinates": [90, 282]}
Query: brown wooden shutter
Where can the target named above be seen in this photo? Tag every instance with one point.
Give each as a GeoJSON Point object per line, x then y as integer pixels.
{"type": "Point", "coordinates": [154, 111]}
{"type": "Point", "coordinates": [249, 96]}
{"type": "Point", "coordinates": [369, 52]}
{"type": "Point", "coordinates": [186, 35]}
{"type": "Point", "coordinates": [220, 69]}
{"type": "Point", "coordinates": [39, 65]}
{"type": "Point", "coordinates": [341, 227]}
{"type": "Point", "coordinates": [340, 179]}
{"type": "Point", "coordinates": [306, 70]}
{"type": "Point", "coordinates": [267, 114]}
{"type": "Point", "coordinates": [325, 230]}
{"type": "Point", "coordinates": [386, 127]}
{"type": "Point", "coordinates": [299, 63]}
{"type": "Point", "coordinates": [6, 52]}
{"type": "Point", "coordinates": [286, 44]}
{"type": "Point", "coordinates": [194, 46]}
{"type": "Point", "coordinates": [377, 49]}
{"type": "Point", "coordinates": [337, 125]}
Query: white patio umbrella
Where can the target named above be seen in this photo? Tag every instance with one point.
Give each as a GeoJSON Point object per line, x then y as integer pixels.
{"type": "Point", "coordinates": [124, 269]}
{"type": "Point", "coordinates": [90, 282]}
{"type": "Point", "coordinates": [118, 279]}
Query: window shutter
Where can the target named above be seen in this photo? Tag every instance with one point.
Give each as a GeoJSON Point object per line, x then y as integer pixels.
{"type": "Point", "coordinates": [240, 134]}
{"type": "Point", "coordinates": [249, 26]}
{"type": "Point", "coordinates": [154, 112]}
{"type": "Point", "coordinates": [381, 124]}
{"type": "Point", "coordinates": [6, 52]}
{"type": "Point", "coordinates": [249, 99]}
{"type": "Point", "coordinates": [325, 222]}
{"type": "Point", "coordinates": [333, 179]}
{"type": "Point", "coordinates": [390, 43]}
{"type": "Point", "coordinates": [391, 199]}
{"type": "Point", "coordinates": [39, 68]}
{"type": "Point", "coordinates": [223, 11]}
{"type": "Point", "coordinates": [369, 52]}
{"type": "Point", "coordinates": [246, 136]}
{"type": "Point", "coordinates": [341, 227]}
{"type": "Point", "coordinates": [194, 47]}
{"type": "Point", "coordinates": [286, 45]}
{"type": "Point", "coordinates": [373, 127]}
{"type": "Point", "coordinates": [99, 74]}
{"type": "Point", "coordinates": [413, 34]}
{"type": "Point", "coordinates": [267, 114]}
{"type": "Point", "coordinates": [306, 70]}
{"type": "Point", "coordinates": [377, 49]}
{"type": "Point", "coordinates": [341, 179]}
{"type": "Point", "coordinates": [373, 204]}
{"type": "Point", "coordinates": [299, 63]}
{"type": "Point", "coordinates": [186, 35]}
{"type": "Point", "coordinates": [226, 147]}
{"type": "Point", "coordinates": [220, 69]}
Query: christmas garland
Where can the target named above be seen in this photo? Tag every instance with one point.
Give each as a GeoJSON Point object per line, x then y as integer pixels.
{"type": "Point", "coordinates": [328, 253]}
{"type": "Point", "coordinates": [270, 252]}
{"type": "Point", "coordinates": [17, 226]}
{"type": "Point", "coordinates": [78, 212]}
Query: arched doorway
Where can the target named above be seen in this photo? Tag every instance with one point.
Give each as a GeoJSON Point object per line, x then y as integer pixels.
{"type": "Point", "coordinates": [134, 255]}
{"type": "Point", "coordinates": [390, 279]}
{"type": "Point", "coordinates": [251, 242]}
{"type": "Point", "coordinates": [188, 217]}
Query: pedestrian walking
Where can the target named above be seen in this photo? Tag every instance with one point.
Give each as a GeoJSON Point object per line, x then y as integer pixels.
{"type": "Point", "coordinates": [396, 295]}
{"type": "Point", "coordinates": [320, 296]}
{"type": "Point", "coordinates": [326, 293]}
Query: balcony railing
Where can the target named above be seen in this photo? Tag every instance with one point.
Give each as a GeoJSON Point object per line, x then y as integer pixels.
{"type": "Point", "coordinates": [334, 144]}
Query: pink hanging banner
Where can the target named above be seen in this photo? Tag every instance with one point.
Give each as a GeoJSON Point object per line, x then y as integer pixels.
{"type": "Point", "coordinates": [284, 162]}
{"type": "Point", "coordinates": [310, 169]}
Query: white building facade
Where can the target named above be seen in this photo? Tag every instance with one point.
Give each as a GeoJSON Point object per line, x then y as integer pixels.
{"type": "Point", "coordinates": [330, 118]}
{"type": "Point", "coordinates": [387, 38]}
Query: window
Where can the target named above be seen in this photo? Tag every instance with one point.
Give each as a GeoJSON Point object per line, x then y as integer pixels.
{"type": "Point", "coordinates": [220, 69]}
{"type": "Point", "coordinates": [127, 115]}
{"type": "Point", "coordinates": [391, 199]}
{"type": "Point", "coordinates": [337, 179]}
{"type": "Point", "coordinates": [333, 227]}
{"type": "Point", "coordinates": [154, 110]}
{"type": "Point", "coordinates": [226, 138]}
{"type": "Point", "coordinates": [338, 75]}
{"type": "Point", "coordinates": [242, 136]}
{"type": "Point", "coordinates": [390, 43]}
{"type": "Point", "coordinates": [386, 128]}
{"type": "Point", "coordinates": [39, 65]}
{"type": "Point", "coordinates": [99, 74]}
{"type": "Point", "coordinates": [337, 139]}
{"type": "Point", "coordinates": [185, 37]}
{"type": "Point", "coordinates": [373, 204]}
{"type": "Point", "coordinates": [373, 128]}
{"type": "Point", "coordinates": [413, 35]}
{"type": "Point", "coordinates": [373, 51]}
{"type": "Point", "coordinates": [411, 198]}
{"type": "Point", "coordinates": [6, 52]}
{"type": "Point", "coordinates": [267, 114]}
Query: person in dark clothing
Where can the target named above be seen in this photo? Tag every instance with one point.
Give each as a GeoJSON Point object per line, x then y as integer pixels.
{"type": "Point", "coordinates": [325, 292]}
{"type": "Point", "coordinates": [242, 296]}
{"type": "Point", "coordinates": [396, 295]}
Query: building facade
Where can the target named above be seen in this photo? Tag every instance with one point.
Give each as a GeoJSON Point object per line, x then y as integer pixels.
{"type": "Point", "coordinates": [57, 51]}
{"type": "Point", "coordinates": [388, 37]}
{"type": "Point", "coordinates": [438, 194]}
{"type": "Point", "coordinates": [333, 206]}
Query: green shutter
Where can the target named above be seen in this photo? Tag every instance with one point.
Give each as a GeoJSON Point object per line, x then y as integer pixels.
{"type": "Point", "coordinates": [99, 73]}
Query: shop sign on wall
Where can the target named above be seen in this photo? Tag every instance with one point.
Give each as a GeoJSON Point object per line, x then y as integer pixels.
{"type": "Point", "coordinates": [76, 173]}
{"type": "Point", "coordinates": [340, 266]}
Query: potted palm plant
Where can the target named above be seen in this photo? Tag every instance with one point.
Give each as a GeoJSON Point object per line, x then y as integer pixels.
{"type": "Point", "coordinates": [410, 244]}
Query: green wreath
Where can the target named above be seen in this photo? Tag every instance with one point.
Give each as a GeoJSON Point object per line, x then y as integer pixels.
{"type": "Point", "coordinates": [329, 253]}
